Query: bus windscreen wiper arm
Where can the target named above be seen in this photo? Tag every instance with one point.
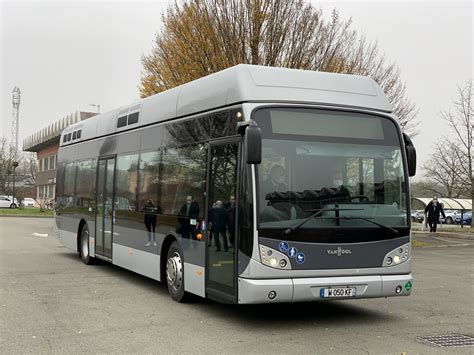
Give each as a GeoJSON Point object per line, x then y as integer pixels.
{"type": "Point", "coordinates": [393, 230]}
{"type": "Point", "coordinates": [290, 230]}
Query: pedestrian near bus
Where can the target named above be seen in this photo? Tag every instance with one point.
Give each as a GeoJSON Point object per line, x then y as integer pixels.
{"type": "Point", "coordinates": [432, 210]}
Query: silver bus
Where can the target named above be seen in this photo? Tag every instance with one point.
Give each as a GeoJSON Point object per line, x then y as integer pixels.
{"type": "Point", "coordinates": [251, 185]}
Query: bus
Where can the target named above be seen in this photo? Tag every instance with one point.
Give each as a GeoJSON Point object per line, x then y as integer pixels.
{"type": "Point", "coordinates": [251, 185]}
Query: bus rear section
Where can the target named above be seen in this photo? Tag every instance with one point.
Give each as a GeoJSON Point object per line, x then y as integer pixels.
{"type": "Point", "coordinates": [332, 208]}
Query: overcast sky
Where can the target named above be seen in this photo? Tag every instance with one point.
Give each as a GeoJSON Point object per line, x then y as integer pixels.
{"type": "Point", "coordinates": [65, 55]}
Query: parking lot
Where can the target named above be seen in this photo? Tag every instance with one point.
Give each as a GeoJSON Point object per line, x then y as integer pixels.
{"type": "Point", "coordinates": [52, 303]}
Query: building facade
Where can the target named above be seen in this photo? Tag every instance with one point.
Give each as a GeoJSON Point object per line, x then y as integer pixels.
{"type": "Point", "coordinates": [45, 144]}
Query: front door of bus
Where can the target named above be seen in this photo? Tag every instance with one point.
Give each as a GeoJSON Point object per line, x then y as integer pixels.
{"type": "Point", "coordinates": [221, 217]}
{"type": "Point", "coordinates": [105, 207]}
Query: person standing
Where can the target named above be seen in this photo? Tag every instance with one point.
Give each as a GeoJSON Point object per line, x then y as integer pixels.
{"type": "Point", "coordinates": [432, 210]}
{"type": "Point", "coordinates": [188, 213]}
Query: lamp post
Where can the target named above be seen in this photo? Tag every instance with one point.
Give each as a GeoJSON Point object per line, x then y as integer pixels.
{"type": "Point", "coordinates": [96, 105]}
{"type": "Point", "coordinates": [15, 165]}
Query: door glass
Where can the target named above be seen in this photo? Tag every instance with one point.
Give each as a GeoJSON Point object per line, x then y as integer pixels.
{"type": "Point", "coordinates": [105, 211]}
{"type": "Point", "coordinates": [99, 244]}
{"type": "Point", "coordinates": [221, 216]}
{"type": "Point", "coordinates": [109, 214]}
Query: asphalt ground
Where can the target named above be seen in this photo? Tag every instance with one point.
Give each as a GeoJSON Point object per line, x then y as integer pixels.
{"type": "Point", "coordinates": [50, 302]}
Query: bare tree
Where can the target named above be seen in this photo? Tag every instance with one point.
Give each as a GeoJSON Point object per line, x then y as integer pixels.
{"type": "Point", "coordinates": [445, 169]}
{"type": "Point", "coordinates": [200, 37]}
{"type": "Point", "coordinates": [461, 122]}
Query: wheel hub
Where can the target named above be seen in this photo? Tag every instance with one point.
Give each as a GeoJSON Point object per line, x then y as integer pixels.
{"type": "Point", "coordinates": [174, 271]}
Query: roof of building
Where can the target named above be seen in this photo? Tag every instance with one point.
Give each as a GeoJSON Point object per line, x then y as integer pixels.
{"type": "Point", "coordinates": [448, 203]}
{"type": "Point", "coordinates": [242, 83]}
{"type": "Point", "coordinates": [51, 134]}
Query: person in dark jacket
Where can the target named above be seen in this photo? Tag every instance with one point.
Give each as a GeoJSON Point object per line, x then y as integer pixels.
{"type": "Point", "coordinates": [189, 211]}
{"type": "Point", "coordinates": [150, 221]}
{"type": "Point", "coordinates": [432, 210]}
{"type": "Point", "coordinates": [219, 221]}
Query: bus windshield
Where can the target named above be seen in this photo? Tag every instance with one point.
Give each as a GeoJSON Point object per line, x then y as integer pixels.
{"type": "Point", "coordinates": [348, 164]}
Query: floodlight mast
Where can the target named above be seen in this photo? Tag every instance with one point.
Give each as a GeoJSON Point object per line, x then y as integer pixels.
{"type": "Point", "coordinates": [15, 120]}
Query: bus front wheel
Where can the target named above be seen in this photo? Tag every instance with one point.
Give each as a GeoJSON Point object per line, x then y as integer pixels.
{"type": "Point", "coordinates": [84, 246]}
{"type": "Point", "coordinates": [175, 272]}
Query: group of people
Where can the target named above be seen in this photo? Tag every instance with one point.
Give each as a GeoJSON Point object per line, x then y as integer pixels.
{"type": "Point", "coordinates": [221, 222]}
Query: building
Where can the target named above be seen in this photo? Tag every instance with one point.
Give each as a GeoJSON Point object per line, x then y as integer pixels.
{"type": "Point", "coordinates": [45, 144]}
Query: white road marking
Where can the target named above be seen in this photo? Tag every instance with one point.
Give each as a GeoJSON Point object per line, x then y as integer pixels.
{"type": "Point", "coordinates": [40, 235]}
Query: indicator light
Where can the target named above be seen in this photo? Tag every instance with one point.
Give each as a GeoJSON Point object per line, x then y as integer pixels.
{"type": "Point", "coordinates": [269, 253]}
{"type": "Point", "coordinates": [273, 262]}
{"type": "Point", "coordinates": [398, 289]}
{"type": "Point", "coordinates": [396, 259]}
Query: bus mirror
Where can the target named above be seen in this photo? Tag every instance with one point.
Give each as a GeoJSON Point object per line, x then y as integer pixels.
{"type": "Point", "coordinates": [411, 155]}
{"type": "Point", "coordinates": [252, 141]}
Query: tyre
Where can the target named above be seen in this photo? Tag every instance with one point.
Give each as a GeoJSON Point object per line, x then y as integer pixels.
{"type": "Point", "coordinates": [175, 273]}
{"type": "Point", "coordinates": [13, 205]}
{"type": "Point", "coordinates": [449, 220]}
{"type": "Point", "coordinates": [84, 246]}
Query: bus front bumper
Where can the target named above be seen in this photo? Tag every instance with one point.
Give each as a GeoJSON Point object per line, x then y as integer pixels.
{"type": "Point", "coordinates": [312, 289]}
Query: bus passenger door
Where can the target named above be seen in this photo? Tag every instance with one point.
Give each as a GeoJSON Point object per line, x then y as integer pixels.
{"type": "Point", "coordinates": [105, 207]}
{"type": "Point", "coordinates": [221, 216]}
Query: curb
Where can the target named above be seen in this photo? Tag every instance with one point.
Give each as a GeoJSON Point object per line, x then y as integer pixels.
{"type": "Point", "coordinates": [446, 235]}
{"type": "Point", "coordinates": [14, 216]}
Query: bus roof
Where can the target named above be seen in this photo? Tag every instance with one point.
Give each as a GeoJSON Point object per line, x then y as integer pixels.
{"type": "Point", "coordinates": [241, 83]}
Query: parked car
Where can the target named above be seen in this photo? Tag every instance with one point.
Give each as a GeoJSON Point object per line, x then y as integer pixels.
{"type": "Point", "coordinates": [467, 218]}
{"type": "Point", "coordinates": [7, 202]}
{"type": "Point", "coordinates": [417, 216]}
{"type": "Point", "coordinates": [451, 216]}
{"type": "Point", "coordinates": [28, 202]}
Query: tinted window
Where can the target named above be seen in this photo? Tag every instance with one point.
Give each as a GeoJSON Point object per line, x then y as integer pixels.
{"type": "Point", "coordinates": [69, 179]}
{"type": "Point", "coordinates": [148, 174]}
{"type": "Point", "coordinates": [68, 137]}
{"type": "Point", "coordinates": [184, 174]}
{"type": "Point", "coordinates": [74, 135]}
{"type": "Point", "coordinates": [64, 138]}
{"type": "Point", "coordinates": [78, 134]}
{"type": "Point", "coordinates": [85, 183]}
{"type": "Point", "coordinates": [133, 118]}
{"type": "Point", "coordinates": [126, 182]}
{"type": "Point", "coordinates": [122, 121]}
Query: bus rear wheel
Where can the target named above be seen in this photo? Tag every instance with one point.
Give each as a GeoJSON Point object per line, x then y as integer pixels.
{"type": "Point", "coordinates": [175, 273]}
{"type": "Point", "coordinates": [84, 246]}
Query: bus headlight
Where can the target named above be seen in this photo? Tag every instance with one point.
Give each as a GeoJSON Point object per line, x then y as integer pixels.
{"type": "Point", "coordinates": [397, 256]}
{"type": "Point", "coordinates": [274, 258]}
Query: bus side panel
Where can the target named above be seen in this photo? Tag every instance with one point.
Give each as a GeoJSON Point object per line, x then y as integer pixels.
{"type": "Point", "coordinates": [67, 231]}
{"type": "Point", "coordinates": [136, 260]}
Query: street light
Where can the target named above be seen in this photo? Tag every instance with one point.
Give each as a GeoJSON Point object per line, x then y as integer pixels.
{"type": "Point", "coordinates": [15, 165]}
{"type": "Point", "coordinates": [96, 105]}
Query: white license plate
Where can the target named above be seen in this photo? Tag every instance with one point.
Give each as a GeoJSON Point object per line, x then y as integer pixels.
{"type": "Point", "coordinates": [334, 292]}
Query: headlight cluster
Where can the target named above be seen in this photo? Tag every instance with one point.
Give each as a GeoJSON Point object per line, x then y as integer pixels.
{"type": "Point", "coordinates": [397, 256]}
{"type": "Point", "coordinates": [274, 258]}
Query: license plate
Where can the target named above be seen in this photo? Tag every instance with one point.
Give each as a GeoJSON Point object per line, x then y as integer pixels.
{"type": "Point", "coordinates": [334, 292]}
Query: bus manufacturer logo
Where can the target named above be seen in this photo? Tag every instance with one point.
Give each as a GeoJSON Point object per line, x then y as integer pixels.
{"type": "Point", "coordinates": [339, 251]}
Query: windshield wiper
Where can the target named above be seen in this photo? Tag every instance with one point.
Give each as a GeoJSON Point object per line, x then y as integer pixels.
{"type": "Point", "coordinates": [290, 230]}
{"type": "Point", "coordinates": [393, 230]}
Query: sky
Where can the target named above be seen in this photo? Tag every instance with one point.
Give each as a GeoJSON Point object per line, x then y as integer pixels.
{"type": "Point", "coordinates": [66, 55]}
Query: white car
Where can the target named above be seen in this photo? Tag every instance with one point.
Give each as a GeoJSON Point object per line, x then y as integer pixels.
{"type": "Point", "coordinates": [28, 202]}
{"type": "Point", "coordinates": [7, 202]}
{"type": "Point", "coordinates": [451, 216]}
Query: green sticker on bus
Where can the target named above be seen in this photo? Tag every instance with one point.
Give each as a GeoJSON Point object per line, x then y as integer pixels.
{"type": "Point", "coordinates": [408, 286]}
